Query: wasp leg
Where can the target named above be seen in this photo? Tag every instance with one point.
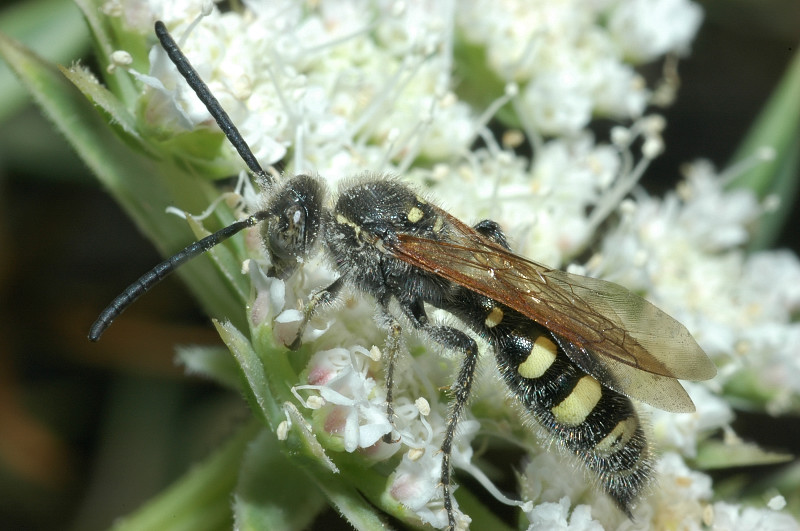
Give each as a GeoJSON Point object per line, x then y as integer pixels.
{"type": "Point", "coordinates": [453, 339]}
{"type": "Point", "coordinates": [460, 392]}
{"type": "Point", "coordinates": [322, 298]}
{"type": "Point", "coordinates": [391, 350]}
{"type": "Point", "coordinates": [491, 229]}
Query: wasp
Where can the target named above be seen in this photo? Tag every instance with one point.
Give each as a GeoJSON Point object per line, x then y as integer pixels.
{"type": "Point", "coordinates": [573, 350]}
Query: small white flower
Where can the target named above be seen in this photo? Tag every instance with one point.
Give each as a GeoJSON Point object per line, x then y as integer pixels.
{"type": "Point", "coordinates": [416, 481]}
{"type": "Point", "coordinates": [558, 103]}
{"type": "Point", "coordinates": [776, 503]}
{"type": "Point", "coordinates": [415, 484]}
{"type": "Point", "coordinates": [556, 516]}
{"type": "Point", "coordinates": [342, 379]}
{"type": "Point", "coordinates": [736, 518]}
{"type": "Point", "coordinates": [679, 499]}
{"type": "Point", "coordinates": [646, 29]}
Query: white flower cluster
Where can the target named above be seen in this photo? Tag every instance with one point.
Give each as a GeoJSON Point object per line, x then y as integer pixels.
{"type": "Point", "coordinates": [356, 84]}
{"type": "Point", "coordinates": [685, 252]}
{"type": "Point", "coordinates": [343, 87]}
{"type": "Point", "coordinates": [346, 390]}
{"type": "Point", "coordinates": [570, 57]}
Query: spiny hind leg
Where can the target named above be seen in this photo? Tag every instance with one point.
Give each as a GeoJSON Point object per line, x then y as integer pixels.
{"type": "Point", "coordinates": [453, 339]}
{"type": "Point", "coordinates": [391, 351]}
{"type": "Point", "coordinates": [460, 391]}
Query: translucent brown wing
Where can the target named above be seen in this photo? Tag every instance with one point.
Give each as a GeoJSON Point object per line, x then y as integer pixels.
{"type": "Point", "coordinates": [609, 332]}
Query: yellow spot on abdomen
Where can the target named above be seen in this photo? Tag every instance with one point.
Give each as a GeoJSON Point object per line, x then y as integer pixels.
{"type": "Point", "coordinates": [415, 214]}
{"type": "Point", "coordinates": [619, 436]}
{"type": "Point", "coordinates": [542, 356]}
{"type": "Point", "coordinates": [494, 318]}
{"type": "Point", "coordinates": [579, 403]}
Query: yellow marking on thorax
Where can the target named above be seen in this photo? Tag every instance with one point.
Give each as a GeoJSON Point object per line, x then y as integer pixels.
{"type": "Point", "coordinates": [341, 220]}
{"type": "Point", "coordinates": [494, 318]}
{"type": "Point", "coordinates": [415, 214]}
{"type": "Point", "coordinates": [579, 403]}
{"type": "Point", "coordinates": [438, 224]}
{"type": "Point", "coordinates": [542, 356]}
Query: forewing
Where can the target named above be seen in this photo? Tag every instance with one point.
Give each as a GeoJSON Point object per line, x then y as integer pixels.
{"type": "Point", "coordinates": [663, 392]}
{"type": "Point", "coordinates": [617, 334]}
{"type": "Point", "coordinates": [642, 336]}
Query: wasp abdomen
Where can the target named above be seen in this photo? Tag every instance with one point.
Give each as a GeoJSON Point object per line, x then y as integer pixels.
{"type": "Point", "coordinates": [597, 424]}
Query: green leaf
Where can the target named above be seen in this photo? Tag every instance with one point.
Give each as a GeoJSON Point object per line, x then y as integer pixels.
{"type": "Point", "coordinates": [482, 517]}
{"type": "Point", "coordinates": [226, 261]}
{"type": "Point", "coordinates": [100, 26]}
{"type": "Point", "coordinates": [53, 28]}
{"type": "Point", "coordinates": [103, 98]}
{"type": "Point", "coordinates": [293, 505]}
{"type": "Point", "coordinates": [746, 391]}
{"type": "Point", "coordinates": [201, 499]}
{"type": "Point", "coordinates": [214, 363]}
{"type": "Point", "coordinates": [142, 184]}
{"type": "Point", "coordinates": [352, 505]}
{"type": "Point", "coordinates": [257, 390]}
{"type": "Point", "coordinates": [778, 128]}
{"type": "Point", "coordinates": [478, 84]}
{"type": "Point", "coordinates": [714, 454]}
{"type": "Point", "coordinates": [274, 377]}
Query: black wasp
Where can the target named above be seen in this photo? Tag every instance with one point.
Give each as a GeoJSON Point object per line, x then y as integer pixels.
{"type": "Point", "coordinates": [573, 350]}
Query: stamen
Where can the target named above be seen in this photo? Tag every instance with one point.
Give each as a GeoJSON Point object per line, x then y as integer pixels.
{"type": "Point", "coordinates": [487, 484]}
{"type": "Point", "coordinates": [510, 92]}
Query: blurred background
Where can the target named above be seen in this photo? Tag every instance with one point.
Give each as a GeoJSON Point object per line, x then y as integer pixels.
{"type": "Point", "coordinates": [76, 417]}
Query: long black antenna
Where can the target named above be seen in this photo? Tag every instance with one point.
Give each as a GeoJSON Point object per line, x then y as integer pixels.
{"type": "Point", "coordinates": [162, 270]}
{"type": "Point", "coordinates": [209, 100]}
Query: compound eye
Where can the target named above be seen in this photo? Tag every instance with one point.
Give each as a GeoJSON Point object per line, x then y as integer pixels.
{"type": "Point", "coordinates": [294, 225]}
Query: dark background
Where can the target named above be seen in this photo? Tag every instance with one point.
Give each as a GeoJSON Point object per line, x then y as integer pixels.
{"type": "Point", "coordinates": [69, 409]}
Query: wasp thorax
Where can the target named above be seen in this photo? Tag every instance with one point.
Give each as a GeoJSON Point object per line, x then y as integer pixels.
{"type": "Point", "coordinates": [384, 208]}
{"type": "Point", "coordinates": [292, 225]}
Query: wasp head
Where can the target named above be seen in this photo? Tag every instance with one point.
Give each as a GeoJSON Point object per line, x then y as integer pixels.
{"type": "Point", "coordinates": [292, 226]}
